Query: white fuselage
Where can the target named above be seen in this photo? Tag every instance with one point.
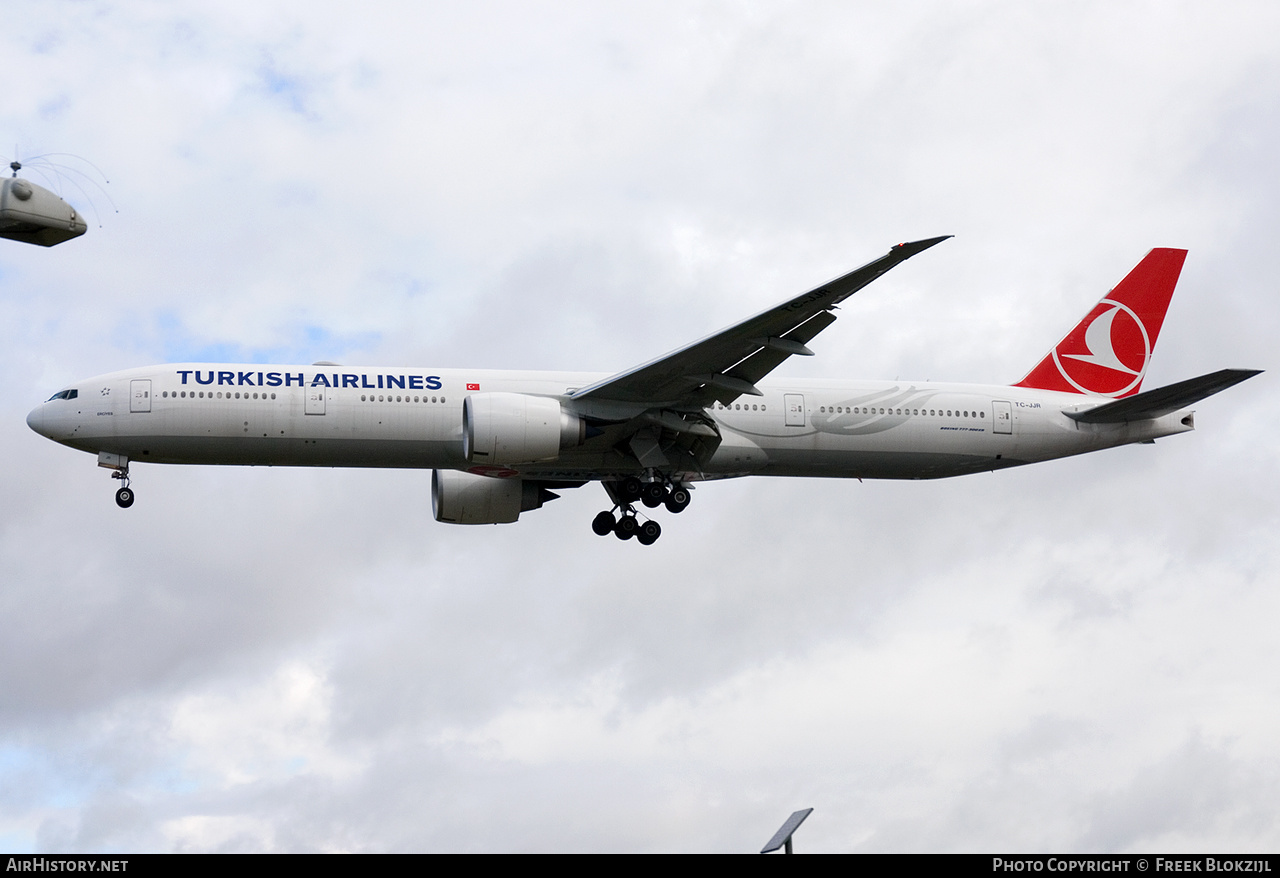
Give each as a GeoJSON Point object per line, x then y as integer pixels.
{"type": "Point", "coordinates": [198, 413]}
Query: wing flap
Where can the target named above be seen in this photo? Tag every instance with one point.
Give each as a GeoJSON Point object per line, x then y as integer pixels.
{"type": "Point", "coordinates": [1163, 400]}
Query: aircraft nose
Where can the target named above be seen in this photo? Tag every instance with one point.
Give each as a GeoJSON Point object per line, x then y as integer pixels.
{"type": "Point", "coordinates": [35, 420]}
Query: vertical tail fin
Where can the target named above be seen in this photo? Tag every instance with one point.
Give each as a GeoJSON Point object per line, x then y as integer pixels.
{"type": "Point", "coordinates": [1108, 351]}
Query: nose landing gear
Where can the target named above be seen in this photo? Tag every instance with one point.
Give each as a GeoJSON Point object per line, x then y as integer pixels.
{"type": "Point", "coordinates": [124, 497]}
{"type": "Point", "coordinates": [119, 466]}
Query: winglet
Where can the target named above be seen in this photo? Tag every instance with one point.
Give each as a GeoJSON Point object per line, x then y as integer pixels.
{"type": "Point", "coordinates": [911, 248]}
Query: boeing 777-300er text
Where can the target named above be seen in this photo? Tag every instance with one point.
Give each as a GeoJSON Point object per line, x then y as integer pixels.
{"type": "Point", "coordinates": [500, 443]}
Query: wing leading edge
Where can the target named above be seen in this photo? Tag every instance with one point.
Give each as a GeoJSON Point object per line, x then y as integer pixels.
{"type": "Point", "coordinates": [727, 364]}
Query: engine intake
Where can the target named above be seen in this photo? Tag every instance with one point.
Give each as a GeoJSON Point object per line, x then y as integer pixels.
{"type": "Point", "coordinates": [512, 428]}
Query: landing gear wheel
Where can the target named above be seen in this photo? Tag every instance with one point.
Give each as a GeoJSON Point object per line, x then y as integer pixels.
{"type": "Point", "coordinates": [629, 489]}
{"type": "Point", "coordinates": [649, 533]}
{"type": "Point", "coordinates": [626, 528]}
{"type": "Point", "coordinates": [678, 499]}
{"type": "Point", "coordinates": [603, 524]}
{"type": "Point", "coordinates": [124, 498]}
{"type": "Point", "coordinates": [653, 494]}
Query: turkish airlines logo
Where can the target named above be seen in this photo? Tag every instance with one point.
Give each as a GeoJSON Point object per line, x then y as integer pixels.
{"type": "Point", "coordinates": [1107, 353]}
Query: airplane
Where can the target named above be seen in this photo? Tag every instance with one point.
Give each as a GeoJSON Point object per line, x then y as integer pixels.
{"type": "Point", "coordinates": [34, 215]}
{"type": "Point", "coordinates": [502, 443]}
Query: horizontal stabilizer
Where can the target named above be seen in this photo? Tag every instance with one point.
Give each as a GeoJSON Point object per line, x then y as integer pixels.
{"type": "Point", "coordinates": [1163, 400]}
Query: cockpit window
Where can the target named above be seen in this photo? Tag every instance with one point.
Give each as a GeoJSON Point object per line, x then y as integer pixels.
{"type": "Point", "coordinates": [64, 394]}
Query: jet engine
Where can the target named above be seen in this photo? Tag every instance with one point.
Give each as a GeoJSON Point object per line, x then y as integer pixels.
{"type": "Point", "coordinates": [466, 498]}
{"type": "Point", "coordinates": [509, 428]}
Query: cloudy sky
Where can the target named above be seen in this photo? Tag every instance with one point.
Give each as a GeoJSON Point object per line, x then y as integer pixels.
{"type": "Point", "coordinates": [1077, 656]}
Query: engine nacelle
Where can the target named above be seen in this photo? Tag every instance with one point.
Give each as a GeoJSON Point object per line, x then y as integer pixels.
{"type": "Point", "coordinates": [466, 498]}
{"type": "Point", "coordinates": [507, 428]}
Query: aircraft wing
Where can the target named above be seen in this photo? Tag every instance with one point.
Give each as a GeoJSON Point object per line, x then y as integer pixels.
{"type": "Point", "coordinates": [727, 364]}
{"type": "Point", "coordinates": [1163, 400]}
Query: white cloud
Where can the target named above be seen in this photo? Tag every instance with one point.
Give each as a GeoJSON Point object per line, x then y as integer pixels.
{"type": "Point", "coordinates": [264, 659]}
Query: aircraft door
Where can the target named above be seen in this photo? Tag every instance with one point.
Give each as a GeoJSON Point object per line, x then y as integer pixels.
{"type": "Point", "coordinates": [140, 395]}
{"type": "Point", "coordinates": [793, 404]}
{"type": "Point", "coordinates": [1004, 416]}
{"type": "Point", "coordinates": [315, 400]}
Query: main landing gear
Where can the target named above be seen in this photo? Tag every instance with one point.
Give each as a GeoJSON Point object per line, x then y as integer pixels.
{"type": "Point", "coordinates": [626, 524]}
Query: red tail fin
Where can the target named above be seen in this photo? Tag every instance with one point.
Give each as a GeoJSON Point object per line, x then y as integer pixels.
{"type": "Point", "coordinates": [1108, 351]}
